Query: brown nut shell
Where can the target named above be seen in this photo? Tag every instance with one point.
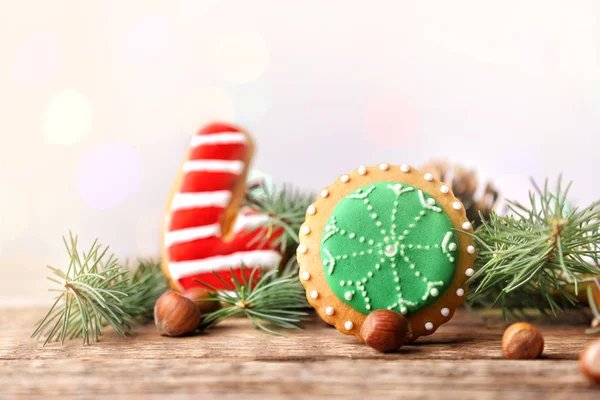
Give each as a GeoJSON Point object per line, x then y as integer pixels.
{"type": "Point", "coordinates": [384, 330]}
{"type": "Point", "coordinates": [521, 341]}
{"type": "Point", "coordinates": [589, 361]}
{"type": "Point", "coordinates": [175, 315]}
{"type": "Point", "coordinates": [198, 293]}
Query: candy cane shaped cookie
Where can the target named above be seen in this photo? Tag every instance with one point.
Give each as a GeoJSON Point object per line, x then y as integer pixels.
{"type": "Point", "coordinates": [205, 228]}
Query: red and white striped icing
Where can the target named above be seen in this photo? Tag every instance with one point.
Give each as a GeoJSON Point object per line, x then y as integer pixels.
{"type": "Point", "coordinates": [193, 244]}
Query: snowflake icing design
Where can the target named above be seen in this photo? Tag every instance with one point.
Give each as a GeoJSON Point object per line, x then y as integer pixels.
{"type": "Point", "coordinates": [388, 245]}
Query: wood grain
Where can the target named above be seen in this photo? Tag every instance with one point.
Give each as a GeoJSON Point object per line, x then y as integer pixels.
{"type": "Point", "coordinates": [464, 358]}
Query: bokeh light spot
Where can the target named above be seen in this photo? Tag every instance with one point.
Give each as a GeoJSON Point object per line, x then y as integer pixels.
{"type": "Point", "coordinates": [109, 175]}
{"type": "Point", "coordinates": [390, 120]}
{"type": "Point", "coordinates": [204, 105]}
{"type": "Point", "coordinates": [67, 118]}
{"type": "Point", "coordinates": [37, 59]}
{"type": "Point", "coordinates": [242, 57]}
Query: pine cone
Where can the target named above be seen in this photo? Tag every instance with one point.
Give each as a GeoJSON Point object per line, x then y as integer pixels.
{"type": "Point", "coordinates": [464, 185]}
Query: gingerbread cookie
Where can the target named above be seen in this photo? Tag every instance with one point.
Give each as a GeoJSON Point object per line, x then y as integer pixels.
{"type": "Point", "coordinates": [386, 237]}
{"type": "Point", "coordinates": [205, 228]}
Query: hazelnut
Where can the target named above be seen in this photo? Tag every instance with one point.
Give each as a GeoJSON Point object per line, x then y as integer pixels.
{"type": "Point", "coordinates": [589, 361]}
{"type": "Point", "coordinates": [521, 341]}
{"type": "Point", "coordinates": [198, 293]}
{"type": "Point", "coordinates": [384, 330]}
{"type": "Point", "coordinates": [175, 315]}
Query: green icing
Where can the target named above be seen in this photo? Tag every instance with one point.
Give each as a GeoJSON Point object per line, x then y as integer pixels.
{"type": "Point", "coordinates": [389, 245]}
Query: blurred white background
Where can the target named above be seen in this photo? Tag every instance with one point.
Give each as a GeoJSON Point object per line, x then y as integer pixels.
{"type": "Point", "coordinates": [99, 98]}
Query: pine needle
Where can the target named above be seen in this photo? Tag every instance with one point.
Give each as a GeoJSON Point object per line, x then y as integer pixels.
{"type": "Point", "coordinates": [95, 292]}
{"type": "Point", "coordinates": [286, 210]}
{"type": "Point", "coordinates": [527, 257]}
{"type": "Point", "coordinates": [271, 298]}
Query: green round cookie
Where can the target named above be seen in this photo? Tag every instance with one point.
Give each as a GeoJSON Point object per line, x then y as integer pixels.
{"type": "Point", "coordinates": [389, 245]}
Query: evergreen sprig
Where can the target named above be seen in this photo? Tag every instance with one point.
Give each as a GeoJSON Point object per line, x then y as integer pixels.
{"type": "Point", "coordinates": [286, 209]}
{"type": "Point", "coordinates": [527, 257]}
{"type": "Point", "coordinates": [146, 284]}
{"type": "Point", "coordinates": [96, 291]}
{"type": "Point", "coordinates": [275, 298]}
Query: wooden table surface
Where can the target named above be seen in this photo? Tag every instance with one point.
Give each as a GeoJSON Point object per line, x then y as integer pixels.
{"type": "Point", "coordinates": [463, 358]}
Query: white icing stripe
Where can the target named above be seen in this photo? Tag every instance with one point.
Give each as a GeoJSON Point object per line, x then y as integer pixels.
{"type": "Point", "coordinates": [218, 138]}
{"type": "Point", "coordinates": [249, 221]}
{"type": "Point", "coordinates": [234, 167]}
{"type": "Point", "coordinates": [201, 232]}
{"type": "Point", "coordinates": [189, 234]}
{"type": "Point", "coordinates": [267, 258]}
{"type": "Point", "coordinates": [218, 198]}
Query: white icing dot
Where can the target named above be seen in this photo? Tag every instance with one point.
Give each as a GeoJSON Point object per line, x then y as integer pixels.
{"type": "Point", "coordinates": [362, 170]}
{"type": "Point", "coordinates": [429, 326]}
{"type": "Point", "coordinates": [403, 310]}
{"type": "Point", "coordinates": [314, 294]}
{"type": "Point", "coordinates": [348, 325]}
{"type": "Point", "coordinates": [445, 311]}
{"type": "Point", "coordinates": [345, 178]}
{"type": "Point", "coordinates": [428, 177]}
{"type": "Point", "coordinates": [466, 225]}
{"type": "Point", "coordinates": [384, 166]}
{"type": "Point", "coordinates": [444, 189]}
{"type": "Point", "coordinates": [435, 292]}
{"type": "Point", "coordinates": [305, 230]}
{"type": "Point", "coordinates": [469, 272]}
{"type": "Point", "coordinates": [470, 249]}
{"type": "Point", "coordinates": [391, 250]}
{"type": "Point", "coordinates": [329, 310]}
{"type": "Point", "coordinates": [431, 201]}
{"type": "Point", "coordinates": [302, 249]}
{"type": "Point", "coordinates": [348, 295]}
{"type": "Point", "coordinates": [460, 292]}
{"type": "Point", "coordinates": [456, 205]}
{"type": "Point", "coordinates": [452, 246]}
{"type": "Point", "coordinates": [324, 193]}
{"type": "Point", "coordinates": [305, 275]}
{"type": "Point", "coordinates": [404, 168]}
{"type": "Point", "coordinates": [311, 210]}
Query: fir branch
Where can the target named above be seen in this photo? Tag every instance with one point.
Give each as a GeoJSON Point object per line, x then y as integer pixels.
{"type": "Point", "coordinates": [146, 284]}
{"type": "Point", "coordinates": [286, 210]}
{"type": "Point", "coordinates": [526, 258]}
{"type": "Point", "coordinates": [96, 291]}
{"type": "Point", "coordinates": [270, 298]}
